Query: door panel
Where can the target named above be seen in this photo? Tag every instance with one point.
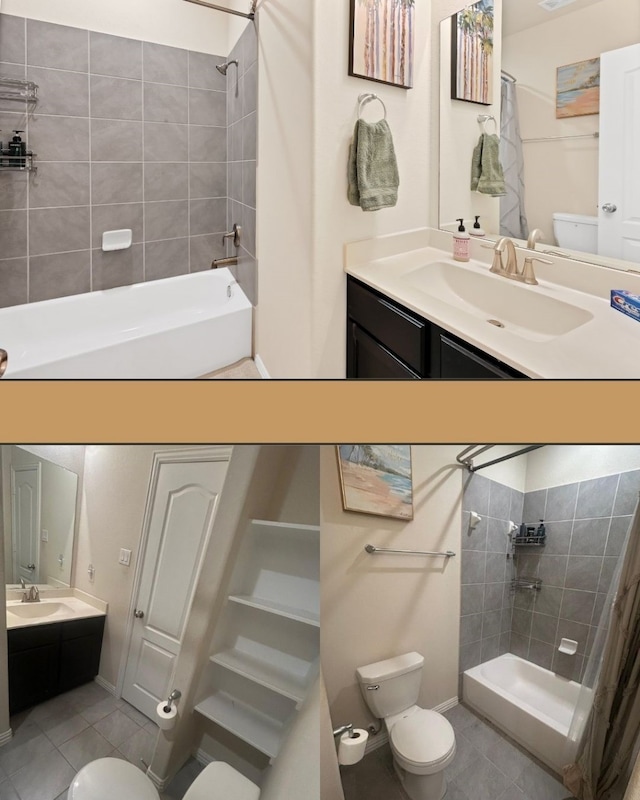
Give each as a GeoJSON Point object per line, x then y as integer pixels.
{"type": "Point", "coordinates": [25, 483]}
{"type": "Point", "coordinates": [619, 178]}
{"type": "Point", "coordinates": [183, 502]}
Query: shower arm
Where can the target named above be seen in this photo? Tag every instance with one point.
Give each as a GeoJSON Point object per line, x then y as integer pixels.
{"type": "Point", "coordinates": [251, 15]}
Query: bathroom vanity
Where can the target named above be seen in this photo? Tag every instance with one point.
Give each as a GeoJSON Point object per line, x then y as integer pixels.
{"type": "Point", "coordinates": [413, 313]}
{"type": "Point", "coordinates": [53, 645]}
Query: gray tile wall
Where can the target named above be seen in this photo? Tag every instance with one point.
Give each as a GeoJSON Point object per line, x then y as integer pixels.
{"type": "Point", "coordinates": [486, 601]}
{"type": "Point", "coordinates": [128, 135]}
{"type": "Point", "coordinates": [242, 104]}
{"type": "Point", "coordinates": [586, 526]}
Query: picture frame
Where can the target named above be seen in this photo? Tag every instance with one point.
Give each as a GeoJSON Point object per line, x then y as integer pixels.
{"type": "Point", "coordinates": [382, 41]}
{"type": "Point", "coordinates": [472, 53]}
{"type": "Point", "coordinates": [376, 479]}
{"type": "Point", "coordinates": [578, 89]}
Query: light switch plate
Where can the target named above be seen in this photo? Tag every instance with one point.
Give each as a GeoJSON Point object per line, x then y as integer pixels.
{"type": "Point", "coordinates": [125, 557]}
{"type": "Point", "coordinates": [45, 535]}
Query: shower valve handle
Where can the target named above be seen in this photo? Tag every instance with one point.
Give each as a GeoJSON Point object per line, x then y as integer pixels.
{"type": "Point", "coordinates": [235, 234]}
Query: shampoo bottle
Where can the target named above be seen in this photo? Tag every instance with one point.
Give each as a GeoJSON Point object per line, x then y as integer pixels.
{"type": "Point", "coordinates": [461, 243]}
{"type": "Point", "coordinates": [476, 230]}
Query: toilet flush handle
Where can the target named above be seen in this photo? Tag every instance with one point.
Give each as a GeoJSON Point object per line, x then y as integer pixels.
{"type": "Point", "coordinates": [373, 687]}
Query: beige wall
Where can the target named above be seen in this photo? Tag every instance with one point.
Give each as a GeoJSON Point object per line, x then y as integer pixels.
{"type": "Point", "coordinates": [307, 112]}
{"type": "Point", "coordinates": [563, 175]}
{"type": "Point", "coordinates": [459, 130]}
{"type": "Point", "coordinates": [170, 22]}
{"type": "Point", "coordinates": [558, 464]}
{"type": "Point", "coordinates": [375, 607]}
{"type": "Point", "coordinates": [116, 480]}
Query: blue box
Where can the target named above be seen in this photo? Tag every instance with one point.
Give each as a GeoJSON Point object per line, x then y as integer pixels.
{"type": "Point", "coordinates": [627, 302]}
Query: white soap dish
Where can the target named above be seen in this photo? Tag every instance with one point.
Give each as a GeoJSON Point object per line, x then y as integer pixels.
{"type": "Point", "coordinates": [117, 240]}
{"type": "Point", "coordinates": [568, 646]}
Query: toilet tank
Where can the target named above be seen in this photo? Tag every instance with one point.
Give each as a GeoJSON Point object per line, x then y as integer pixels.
{"type": "Point", "coordinates": [398, 680]}
{"type": "Point", "coordinates": [576, 232]}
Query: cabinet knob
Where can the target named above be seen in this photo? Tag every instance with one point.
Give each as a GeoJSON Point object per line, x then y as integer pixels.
{"type": "Point", "coordinates": [138, 614]}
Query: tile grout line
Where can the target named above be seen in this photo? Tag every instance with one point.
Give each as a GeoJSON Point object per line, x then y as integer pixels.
{"type": "Point", "coordinates": [90, 163]}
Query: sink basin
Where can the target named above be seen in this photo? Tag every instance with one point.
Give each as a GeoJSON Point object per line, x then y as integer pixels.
{"type": "Point", "coordinates": [523, 310]}
{"type": "Point", "coordinates": [37, 610]}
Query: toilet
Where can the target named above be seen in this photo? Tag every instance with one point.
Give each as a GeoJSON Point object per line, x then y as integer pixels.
{"type": "Point", "coordinates": [107, 778]}
{"type": "Point", "coordinates": [422, 742]}
{"type": "Point", "coordinates": [576, 232]}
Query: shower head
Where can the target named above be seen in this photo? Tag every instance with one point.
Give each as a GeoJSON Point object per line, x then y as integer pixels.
{"type": "Point", "coordinates": [222, 68]}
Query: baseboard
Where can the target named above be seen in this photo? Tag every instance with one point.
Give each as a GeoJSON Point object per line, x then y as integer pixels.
{"type": "Point", "coordinates": [109, 687]}
{"type": "Point", "coordinates": [203, 758]}
{"type": "Point", "coordinates": [261, 368]}
{"type": "Point", "coordinates": [159, 783]}
{"type": "Point", "coordinates": [380, 739]}
{"type": "Point", "coordinates": [6, 737]}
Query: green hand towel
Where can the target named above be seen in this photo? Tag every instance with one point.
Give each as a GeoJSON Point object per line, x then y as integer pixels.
{"type": "Point", "coordinates": [486, 171]}
{"type": "Point", "coordinates": [373, 169]}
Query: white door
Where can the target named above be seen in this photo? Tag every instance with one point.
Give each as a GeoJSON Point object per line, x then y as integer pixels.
{"type": "Point", "coordinates": [25, 520]}
{"type": "Point", "coordinates": [181, 507]}
{"type": "Point", "coordinates": [619, 179]}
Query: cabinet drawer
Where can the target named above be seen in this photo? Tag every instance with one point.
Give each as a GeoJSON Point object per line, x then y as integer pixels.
{"type": "Point", "coordinates": [20, 639]}
{"type": "Point", "coordinates": [459, 361]}
{"type": "Point", "coordinates": [401, 332]}
{"type": "Point", "coordinates": [92, 626]}
{"type": "Point", "coordinates": [372, 361]}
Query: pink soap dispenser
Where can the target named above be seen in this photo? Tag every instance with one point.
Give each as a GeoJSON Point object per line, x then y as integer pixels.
{"type": "Point", "coordinates": [461, 240]}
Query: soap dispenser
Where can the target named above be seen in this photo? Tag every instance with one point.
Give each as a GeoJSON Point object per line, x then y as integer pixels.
{"type": "Point", "coordinates": [461, 243]}
{"type": "Point", "coordinates": [477, 229]}
{"type": "Point", "coordinates": [17, 151]}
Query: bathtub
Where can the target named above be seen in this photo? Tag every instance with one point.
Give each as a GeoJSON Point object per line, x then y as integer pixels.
{"type": "Point", "coordinates": [181, 327]}
{"type": "Point", "coordinates": [531, 704]}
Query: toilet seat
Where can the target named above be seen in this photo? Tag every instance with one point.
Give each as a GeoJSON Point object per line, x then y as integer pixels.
{"type": "Point", "coordinates": [423, 743]}
{"type": "Point", "coordinates": [107, 778]}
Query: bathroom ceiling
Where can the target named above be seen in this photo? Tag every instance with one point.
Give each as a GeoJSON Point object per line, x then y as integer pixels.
{"type": "Point", "coordinates": [520, 15]}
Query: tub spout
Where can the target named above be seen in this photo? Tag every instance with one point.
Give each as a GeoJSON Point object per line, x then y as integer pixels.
{"type": "Point", "coordinates": [4, 361]}
{"type": "Point", "coordinates": [224, 262]}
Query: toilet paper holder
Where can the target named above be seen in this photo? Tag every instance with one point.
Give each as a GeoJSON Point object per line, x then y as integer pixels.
{"type": "Point", "coordinates": [344, 729]}
{"type": "Point", "coordinates": [176, 694]}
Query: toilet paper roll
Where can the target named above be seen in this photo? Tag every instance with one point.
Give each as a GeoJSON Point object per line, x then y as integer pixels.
{"type": "Point", "coordinates": [351, 749]}
{"type": "Point", "coordinates": [166, 719]}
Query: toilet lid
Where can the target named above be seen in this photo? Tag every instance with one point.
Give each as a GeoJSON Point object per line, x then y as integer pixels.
{"type": "Point", "coordinates": [425, 737]}
{"type": "Point", "coordinates": [109, 778]}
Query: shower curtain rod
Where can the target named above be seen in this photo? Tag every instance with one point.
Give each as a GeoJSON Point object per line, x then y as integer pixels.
{"type": "Point", "coordinates": [508, 76]}
{"type": "Point", "coordinates": [467, 460]}
{"type": "Point", "coordinates": [250, 15]}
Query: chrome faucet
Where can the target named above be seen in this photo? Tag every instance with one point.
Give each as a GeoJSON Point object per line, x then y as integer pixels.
{"type": "Point", "coordinates": [22, 583]}
{"type": "Point", "coordinates": [510, 270]}
{"type": "Point", "coordinates": [536, 235]}
{"type": "Point", "coordinates": [32, 596]}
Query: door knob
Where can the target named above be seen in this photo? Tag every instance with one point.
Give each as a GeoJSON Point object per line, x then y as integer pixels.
{"type": "Point", "coordinates": [30, 567]}
{"type": "Point", "coordinates": [138, 614]}
{"type": "Point", "coordinates": [609, 207]}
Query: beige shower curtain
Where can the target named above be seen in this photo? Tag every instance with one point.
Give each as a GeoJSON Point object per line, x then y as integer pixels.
{"type": "Point", "coordinates": [603, 763]}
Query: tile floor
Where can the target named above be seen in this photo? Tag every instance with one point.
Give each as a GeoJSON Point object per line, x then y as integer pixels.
{"type": "Point", "coordinates": [487, 766]}
{"type": "Point", "coordinates": [53, 740]}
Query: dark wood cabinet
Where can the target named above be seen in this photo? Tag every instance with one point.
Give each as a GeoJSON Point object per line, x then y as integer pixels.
{"type": "Point", "coordinates": [386, 341]}
{"type": "Point", "coordinates": [46, 660]}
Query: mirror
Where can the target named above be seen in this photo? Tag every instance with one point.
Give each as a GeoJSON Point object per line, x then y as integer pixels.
{"type": "Point", "coordinates": [39, 513]}
{"type": "Point", "coordinates": [565, 165]}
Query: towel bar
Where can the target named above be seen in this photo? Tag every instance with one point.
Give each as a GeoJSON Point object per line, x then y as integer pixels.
{"type": "Point", "coordinates": [376, 550]}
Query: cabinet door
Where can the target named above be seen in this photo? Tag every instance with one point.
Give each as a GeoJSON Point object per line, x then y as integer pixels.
{"type": "Point", "coordinates": [368, 359]}
{"type": "Point", "coordinates": [33, 665]}
{"type": "Point", "coordinates": [460, 362]}
{"type": "Point", "coordinates": [80, 647]}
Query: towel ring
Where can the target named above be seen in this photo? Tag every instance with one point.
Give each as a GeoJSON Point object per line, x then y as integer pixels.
{"type": "Point", "coordinates": [363, 99]}
{"type": "Point", "coordinates": [484, 118]}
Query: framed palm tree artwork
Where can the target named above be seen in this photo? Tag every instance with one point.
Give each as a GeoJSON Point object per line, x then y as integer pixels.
{"type": "Point", "coordinates": [472, 53]}
{"type": "Point", "coordinates": [382, 41]}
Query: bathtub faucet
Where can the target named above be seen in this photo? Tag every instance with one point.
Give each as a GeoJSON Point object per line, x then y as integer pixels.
{"type": "Point", "coordinates": [217, 263]}
{"type": "Point", "coordinates": [4, 361]}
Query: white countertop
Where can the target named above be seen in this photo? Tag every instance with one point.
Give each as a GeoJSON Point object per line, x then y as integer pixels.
{"type": "Point", "coordinates": [607, 346]}
{"type": "Point", "coordinates": [50, 609]}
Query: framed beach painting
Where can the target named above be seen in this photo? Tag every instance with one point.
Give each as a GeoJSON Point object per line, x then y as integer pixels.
{"type": "Point", "coordinates": [382, 41]}
{"type": "Point", "coordinates": [472, 53]}
{"type": "Point", "coordinates": [578, 89]}
{"type": "Point", "coordinates": [376, 479]}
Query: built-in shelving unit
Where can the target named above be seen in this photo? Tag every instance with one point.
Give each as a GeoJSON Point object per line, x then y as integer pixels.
{"type": "Point", "coordinates": [266, 650]}
{"type": "Point", "coordinates": [17, 89]}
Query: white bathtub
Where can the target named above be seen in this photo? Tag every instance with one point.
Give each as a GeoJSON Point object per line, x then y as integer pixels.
{"type": "Point", "coordinates": [181, 327]}
{"type": "Point", "coordinates": [531, 704]}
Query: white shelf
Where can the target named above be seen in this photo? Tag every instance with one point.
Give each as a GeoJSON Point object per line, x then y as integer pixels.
{"type": "Point", "coordinates": [285, 526]}
{"type": "Point", "coordinates": [278, 680]}
{"type": "Point", "coordinates": [297, 614]}
{"type": "Point", "coordinates": [261, 731]}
